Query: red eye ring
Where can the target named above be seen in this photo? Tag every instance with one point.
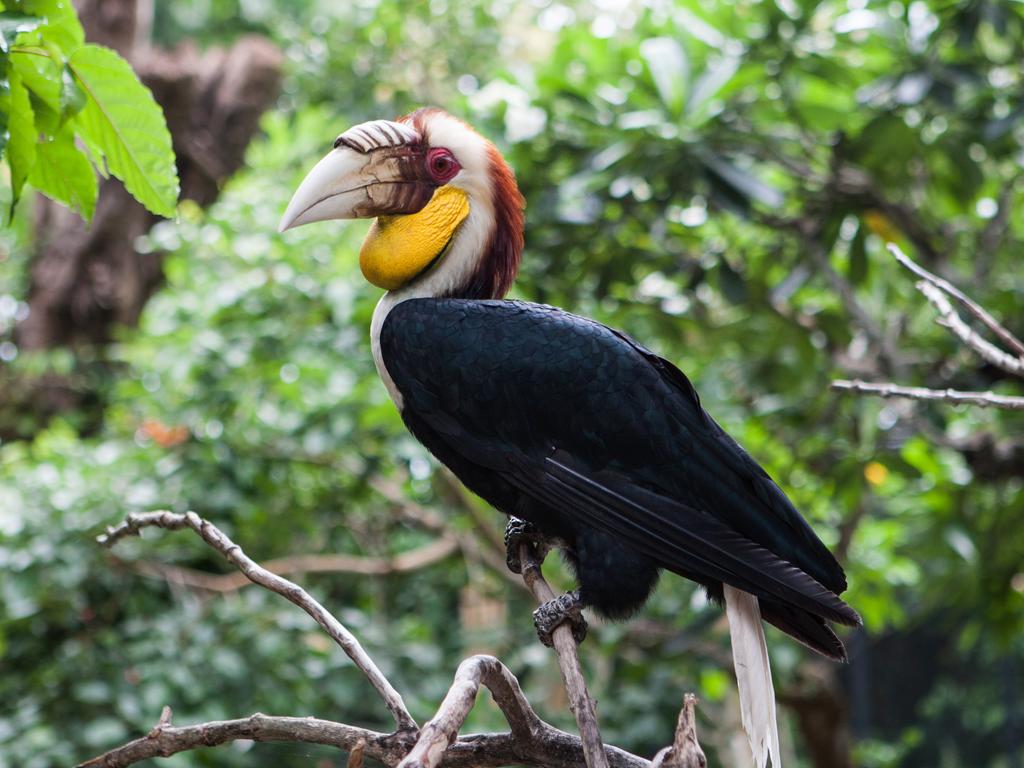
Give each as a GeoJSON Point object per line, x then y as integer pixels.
{"type": "Point", "coordinates": [442, 165]}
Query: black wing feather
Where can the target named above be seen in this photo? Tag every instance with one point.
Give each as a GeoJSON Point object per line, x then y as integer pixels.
{"type": "Point", "coordinates": [674, 533]}
{"type": "Point", "coordinates": [527, 401]}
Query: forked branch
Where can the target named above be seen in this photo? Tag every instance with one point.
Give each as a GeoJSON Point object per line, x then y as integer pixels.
{"type": "Point", "coordinates": [533, 741]}
{"type": "Point", "coordinates": [961, 298]}
{"type": "Point", "coordinates": [443, 729]}
{"type": "Point", "coordinates": [939, 292]}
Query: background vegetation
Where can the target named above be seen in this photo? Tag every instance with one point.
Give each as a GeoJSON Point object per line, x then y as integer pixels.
{"type": "Point", "coordinates": [717, 180]}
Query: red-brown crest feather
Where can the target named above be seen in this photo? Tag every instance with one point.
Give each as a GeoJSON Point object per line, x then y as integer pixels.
{"type": "Point", "coordinates": [499, 266]}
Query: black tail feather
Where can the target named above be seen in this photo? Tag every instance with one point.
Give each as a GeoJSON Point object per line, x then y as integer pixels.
{"type": "Point", "coordinates": [804, 626]}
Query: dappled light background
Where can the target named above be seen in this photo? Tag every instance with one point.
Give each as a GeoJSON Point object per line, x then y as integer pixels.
{"type": "Point", "coordinates": [718, 180]}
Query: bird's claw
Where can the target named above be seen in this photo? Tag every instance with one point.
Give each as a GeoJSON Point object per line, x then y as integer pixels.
{"type": "Point", "coordinates": [567, 607]}
{"type": "Point", "coordinates": [517, 533]}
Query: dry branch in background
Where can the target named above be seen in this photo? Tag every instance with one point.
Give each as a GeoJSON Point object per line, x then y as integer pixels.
{"type": "Point", "coordinates": [887, 389]}
{"type": "Point", "coordinates": [530, 741]}
{"type": "Point", "coordinates": [939, 292]}
{"type": "Point", "coordinates": [965, 301]}
{"type": "Point", "coordinates": [433, 552]}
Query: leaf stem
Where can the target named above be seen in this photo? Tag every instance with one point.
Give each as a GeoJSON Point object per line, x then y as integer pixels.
{"type": "Point", "coordinates": [32, 51]}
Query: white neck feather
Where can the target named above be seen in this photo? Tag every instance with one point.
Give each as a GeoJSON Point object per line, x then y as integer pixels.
{"type": "Point", "coordinates": [448, 274]}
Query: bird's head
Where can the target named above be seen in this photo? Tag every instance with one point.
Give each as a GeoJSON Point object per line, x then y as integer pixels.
{"type": "Point", "coordinates": [449, 216]}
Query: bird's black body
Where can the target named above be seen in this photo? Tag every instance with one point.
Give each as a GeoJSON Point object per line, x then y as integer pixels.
{"type": "Point", "coordinates": [594, 439]}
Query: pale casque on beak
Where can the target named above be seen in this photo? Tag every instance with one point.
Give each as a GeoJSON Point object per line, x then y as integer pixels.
{"type": "Point", "coordinates": [375, 169]}
{"type": "Point", "coordinates": [386, 169]}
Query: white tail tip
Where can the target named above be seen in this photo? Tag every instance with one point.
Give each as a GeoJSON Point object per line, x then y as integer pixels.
{"type": "Point", "coordinates": [753, 676]}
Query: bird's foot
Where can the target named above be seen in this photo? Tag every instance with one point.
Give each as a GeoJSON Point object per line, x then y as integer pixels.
{"type": "Point", "coordinates": [567, 607]}
{"type": "Point", "coordinates": [517, 533]}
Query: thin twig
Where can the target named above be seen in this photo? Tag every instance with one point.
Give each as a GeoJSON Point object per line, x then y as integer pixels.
{"type": "Point", "coordinates": [889, 389]}
{"type": "Point", "coordinates": [961, 298]}
{"type": "Point", "coordinates": [213, 536]}
{"type": "Point", "coordinates": [582, 706]}
{"type": "Point", "coordinates": [949, 318]}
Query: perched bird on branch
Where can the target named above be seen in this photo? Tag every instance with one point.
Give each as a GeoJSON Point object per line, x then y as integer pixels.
{"type": "Point", "coordinates": [582, 436]}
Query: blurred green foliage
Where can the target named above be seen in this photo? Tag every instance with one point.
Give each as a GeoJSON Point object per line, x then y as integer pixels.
{"type": "Point", "coordinates": [710, 178]}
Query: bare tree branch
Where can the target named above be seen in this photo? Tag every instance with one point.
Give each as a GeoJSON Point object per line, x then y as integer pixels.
{"type": "Point", "coordinates": [213, 536]}
{"type": "Point", "coordinates": [582, 706]}
{"type": "Point", "coordinates": [949, 318]}
{"type": "Point", "coordinates": [936, 290]}
{"type": "Point", "coordinates": [888, 389]}
{"type": "Point", "coordinates": [961, 298]}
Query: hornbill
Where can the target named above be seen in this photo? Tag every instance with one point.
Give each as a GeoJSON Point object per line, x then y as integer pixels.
{"type": "Point", "coordinates": [582, 436]}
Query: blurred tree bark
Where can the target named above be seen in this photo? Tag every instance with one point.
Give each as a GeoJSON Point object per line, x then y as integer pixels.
{"type": "Point", "coordinates": [822, 714]}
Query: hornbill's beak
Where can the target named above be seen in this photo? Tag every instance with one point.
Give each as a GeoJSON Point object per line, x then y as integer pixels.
{"type": "Point", "coordinates": [376, 168]}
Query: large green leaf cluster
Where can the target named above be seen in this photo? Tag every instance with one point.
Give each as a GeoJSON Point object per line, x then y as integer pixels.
{"type": "Point", "coordinates": [704, 176]}
{"type": "Point", "coordinates": [71, 109]}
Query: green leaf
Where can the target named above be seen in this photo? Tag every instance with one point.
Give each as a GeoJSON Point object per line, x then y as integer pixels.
{"type": "Point", "coordinates": [42, 77]}
{"type": "Point", "coordinates": [123, 124]}
{"type": "Point", "coordinates": [858, 269]}
{"type": "Point", "coordinates": [62, 27]}
{"type": "Point", "coordinates": [714, 78]}
{"type": "Point", "coordinates": [23, 136]}
{"type": "Point", "coordinates": [5, 95]}
{"type": "Point", "coordinates": [743, 182]}
{"type": "Point", "coordinates": [63, 173]}
{"type": "Point", "coordinates": [731, 283]}
{"type": "Point", "coordinates": [12, 25]}
{"type": "Point", "coordinates": [72, 97]}
{"type": "Point", "coordinates": [669, 68]}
